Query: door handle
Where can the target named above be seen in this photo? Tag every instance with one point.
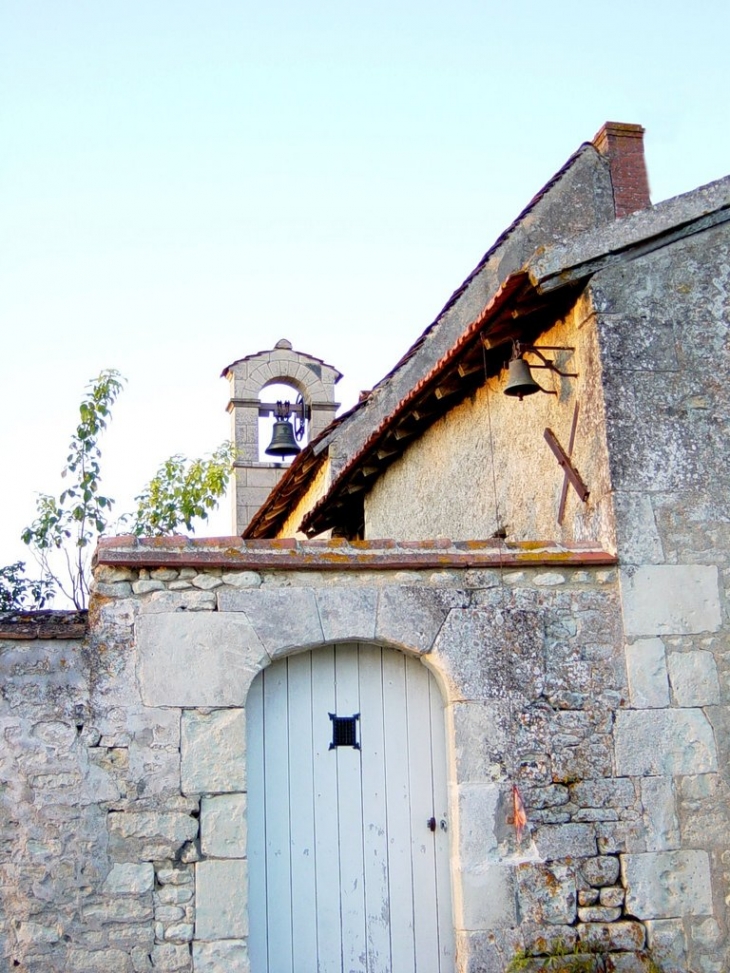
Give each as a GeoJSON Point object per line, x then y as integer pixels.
{"type": "Point", "coordinates": [431, 824]}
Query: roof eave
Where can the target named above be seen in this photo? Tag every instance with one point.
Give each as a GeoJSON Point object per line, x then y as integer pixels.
{"type": "Point", "coordinates": [516, 308]}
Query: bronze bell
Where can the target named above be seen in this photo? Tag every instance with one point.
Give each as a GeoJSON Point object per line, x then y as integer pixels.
{"type": "Point", "coordinates": [282, 442]}
{"type": "Point", "coordinates": [520, 381]}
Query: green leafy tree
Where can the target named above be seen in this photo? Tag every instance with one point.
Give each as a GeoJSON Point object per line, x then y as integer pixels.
{"type": "Point", "coordinates": [181, 491]}
{"type": "Point", "coordinates": [18, 593]}
{"type": "Point", "coordinates": [67, 527]}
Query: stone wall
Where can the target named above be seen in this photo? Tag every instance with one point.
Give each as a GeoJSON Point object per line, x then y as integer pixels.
{"type": "Point", "coordinates": [124, 832]}
{"type": "Point", "coordinates": [96, 835]}
{"type": "Point", "coordinates": [663, 324]}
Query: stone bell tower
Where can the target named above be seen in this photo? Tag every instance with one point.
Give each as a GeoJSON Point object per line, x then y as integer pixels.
{"type": "Point", "coordinates": [308, 377]}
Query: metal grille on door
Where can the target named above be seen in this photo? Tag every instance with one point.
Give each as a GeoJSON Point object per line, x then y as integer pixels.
{"type": "Point", "coordinates": [346, 773]}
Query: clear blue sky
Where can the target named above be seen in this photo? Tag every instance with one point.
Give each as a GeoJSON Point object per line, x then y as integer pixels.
{"type": "Point", "coordinates": [182, 184]}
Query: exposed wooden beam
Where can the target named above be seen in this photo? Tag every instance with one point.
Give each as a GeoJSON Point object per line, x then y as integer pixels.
{"type": "Point", "coordinates": [468, 368]}
{"type": "Point", "coordinates": [449, 388]}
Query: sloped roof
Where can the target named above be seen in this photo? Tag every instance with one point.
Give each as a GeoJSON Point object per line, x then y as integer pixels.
{"type": "Point", "coordinates": [376, 407]}
{"type": "Point", "coordinates": [632, 236]}
{"type": "Point", "coordinates": [281, 344]}
{"type": "Point", "coordinates": [503, 236]}
{"type": "Point", "coordinates": [542, 292]}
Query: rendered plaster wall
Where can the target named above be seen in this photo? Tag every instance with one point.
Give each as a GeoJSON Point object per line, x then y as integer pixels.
{"type": "Point", "coordinates": [317, 489]}
{"type": "Point", "coordinates": [124, 828]}
{"type": "Point", "coordinates": [664, 335]}
{"type": "Point", "coordinates": [444, 484]}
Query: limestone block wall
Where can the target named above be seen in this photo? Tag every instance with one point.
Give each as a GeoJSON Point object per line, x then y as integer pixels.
{"type": "Point", "coordinates": [485, 466]}
{"type": "Point", "coordinates": [663, 324]}
{"type": "Point", "coordinates": [124, 837]}
{"type": "Point", "coordinates": [95, 834]}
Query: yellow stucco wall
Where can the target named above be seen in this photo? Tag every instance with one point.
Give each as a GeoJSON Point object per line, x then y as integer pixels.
{"type": "Point", "coordinates": [316, 491]}
{"type": "Point", "coordinates": [444, 484]}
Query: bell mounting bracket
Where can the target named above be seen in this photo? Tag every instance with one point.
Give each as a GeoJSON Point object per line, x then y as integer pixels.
{"type": "Point", "coordinates": [520, 349]}
{"type": "Point", "coordinates": [281, 411]}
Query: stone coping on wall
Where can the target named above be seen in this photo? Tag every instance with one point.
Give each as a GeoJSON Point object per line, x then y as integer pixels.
{"type": "Point", "coordinates": [338, 554]}
{"type": "Point", "coordinates": [48, 624]}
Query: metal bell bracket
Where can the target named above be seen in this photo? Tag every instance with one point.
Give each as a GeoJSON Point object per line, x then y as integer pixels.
{"type": "Point", "coordinates": [546, 362]}
{"type": "Point", "coordinates": [282, 410]}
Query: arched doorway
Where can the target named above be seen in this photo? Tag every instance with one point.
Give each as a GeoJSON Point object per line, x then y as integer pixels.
{"type": "Point", "coordinates": [348, 846]}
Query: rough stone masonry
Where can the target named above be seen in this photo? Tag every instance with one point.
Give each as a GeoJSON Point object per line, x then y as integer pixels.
{"type": "Point", "coordinates": [124, 761]}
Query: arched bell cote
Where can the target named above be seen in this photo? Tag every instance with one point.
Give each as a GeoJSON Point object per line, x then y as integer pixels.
{"type": "Point", "coordinates": [308, 377]}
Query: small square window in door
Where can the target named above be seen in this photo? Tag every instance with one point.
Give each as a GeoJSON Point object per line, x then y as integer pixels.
{"type": "Point", "coordinates": [344, 731]}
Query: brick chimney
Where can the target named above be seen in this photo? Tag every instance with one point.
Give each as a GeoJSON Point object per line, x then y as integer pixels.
{"type": "Point", "coordinates": [623, 146]}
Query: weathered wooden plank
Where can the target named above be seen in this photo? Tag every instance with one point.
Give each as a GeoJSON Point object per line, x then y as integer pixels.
{"type": "Point", "coordinates": [301, 813]}
{"type": "Point", "coordinates": [277, 798]}
{"type": "Point", "coordinates": [327, 865]}
{"type": "Point", "coordinates": [442, 837]}
{"type": "Point", "coordinates": [420, 775]}
{"type": "Point", "coordinates": [375, 838]}
{"type": "Point", "coordinates": [399, 813]}
{"type": "Point", "coordinates": [349, 801]}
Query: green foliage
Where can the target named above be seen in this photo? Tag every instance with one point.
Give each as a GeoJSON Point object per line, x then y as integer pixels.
{"type": "Point", "coordinates": [181, 491]}
{"type": "Point", "coordinates": [556, 958]}
{"type": "Point", "coordinates": [67, 528]}
{"type": "Point", "coordinates": [18, 593]}
{"type": "Point", "coordinates": [71, 523]}
{"type": "Point", "coordinates": [559, 957]}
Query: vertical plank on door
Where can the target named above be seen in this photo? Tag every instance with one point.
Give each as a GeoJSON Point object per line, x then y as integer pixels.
{"type": "Point", "coordinates": [423, 840]}
{"type": "Point", "coordinates": [276, 790]}
{"type": "Point", "coordinates": [442, 844]}
{"type": "Point", "coordinates": [256, 821]}
{"type": "Point", "coordinates": [399, 813]}
{"type": "Point", "coordinates": [349, 799]}
{"type": "Point", "coordinates": [377, 896]}
{"type": "Point", "coordinates": [326, 825]}
{"type": "Point", "coordinates": [301, 813]}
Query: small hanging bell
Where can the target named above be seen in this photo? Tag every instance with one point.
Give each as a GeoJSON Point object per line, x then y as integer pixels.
{"type": "Point", "coordinates": [283, 442]}
{"type": "Point", "coordinates": [520, 381]}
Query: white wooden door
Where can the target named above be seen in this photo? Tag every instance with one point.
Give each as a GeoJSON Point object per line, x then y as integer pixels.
{"type": "Point", "coordinates": [348, 847]}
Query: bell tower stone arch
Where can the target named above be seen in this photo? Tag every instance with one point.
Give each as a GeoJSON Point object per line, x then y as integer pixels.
{"type": "Point", "coordinates": [307, 376]}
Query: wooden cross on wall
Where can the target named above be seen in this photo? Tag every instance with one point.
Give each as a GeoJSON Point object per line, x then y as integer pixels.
{"type": "Point", "coordinates": [572, 477]}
